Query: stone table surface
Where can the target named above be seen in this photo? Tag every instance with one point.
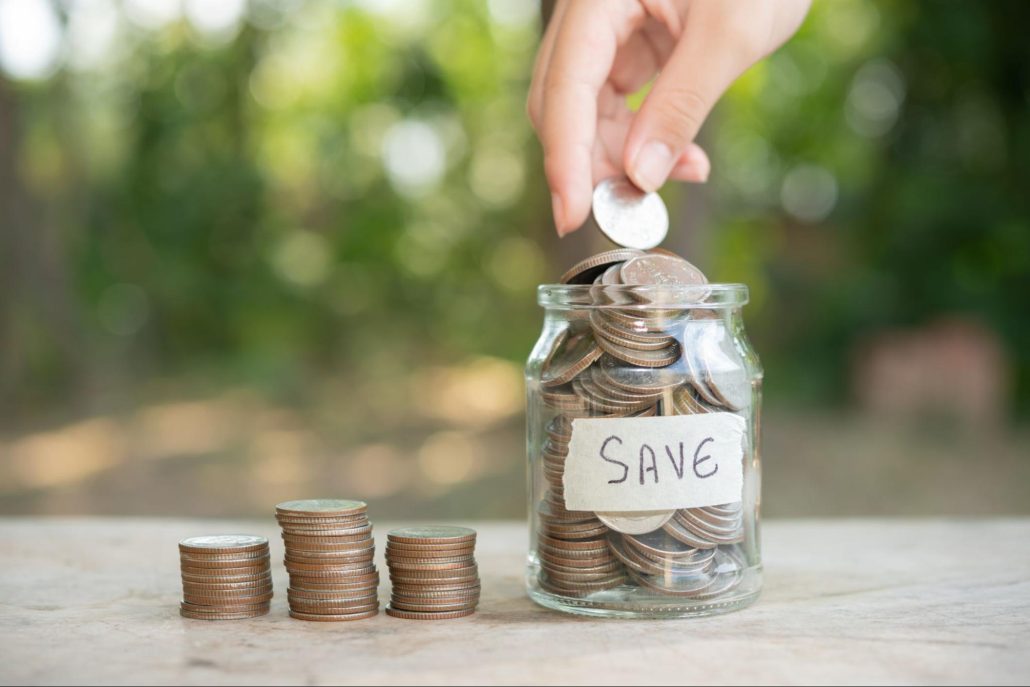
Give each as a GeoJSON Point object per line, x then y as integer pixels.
{"type": "Point", "coordinates": [94, 600]}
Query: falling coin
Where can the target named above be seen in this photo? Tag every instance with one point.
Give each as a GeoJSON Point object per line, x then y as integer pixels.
{"type": "Point", "coordinates": [628, 216]}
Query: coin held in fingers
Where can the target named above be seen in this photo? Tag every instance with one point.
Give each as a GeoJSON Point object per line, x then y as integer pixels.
{"type": "Point", "coordinates": [628, 216]}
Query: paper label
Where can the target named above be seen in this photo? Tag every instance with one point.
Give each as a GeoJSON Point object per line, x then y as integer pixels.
{"type": "Point", "coordinates": [655, 463]}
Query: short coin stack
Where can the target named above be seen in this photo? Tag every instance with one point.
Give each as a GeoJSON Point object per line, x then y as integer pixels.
{"type": "Point", "coordinates": [225, 577]}
{"type": "Point", "coordinates": [433, 572]}
{"type": "Point", "coordinates": [329, 555]}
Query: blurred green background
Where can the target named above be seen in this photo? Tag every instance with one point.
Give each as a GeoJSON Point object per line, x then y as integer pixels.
{"type": "Point", "coordinates": [253, 250]}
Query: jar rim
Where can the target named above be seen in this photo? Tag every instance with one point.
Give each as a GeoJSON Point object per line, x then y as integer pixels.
{"type": "Point", "coordinates": [623, 296]}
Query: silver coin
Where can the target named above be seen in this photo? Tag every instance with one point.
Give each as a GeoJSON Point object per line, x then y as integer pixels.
{"type": "Point", "coordinates": [321, 507]}
{"type": "Point", "coordinates": [628, 216]}
{"type": "Point", "coordinates": [224, 541]}
{"type": "Point", "coordinates": [635, 523]}
{"type": "Point", "coordinates": [663, 270]}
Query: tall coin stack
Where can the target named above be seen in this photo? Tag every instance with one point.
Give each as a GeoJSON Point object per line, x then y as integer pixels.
{"type": "Point", "coordinates": [433, 572]}
{"type": "Point", "coordinates": [225, 577]}
{"type": "Point", "coordinates": [329, 556]}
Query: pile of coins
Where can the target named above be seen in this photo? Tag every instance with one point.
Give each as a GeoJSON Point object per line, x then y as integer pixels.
{"type": "Point", "coordinates": [433, 572]}
{"type": "Point", "coordinates": [225, 577]}
{"type": "Point", "coordinates": [635, 350]}
{"type": "Point", "coordinates": [329, 556]}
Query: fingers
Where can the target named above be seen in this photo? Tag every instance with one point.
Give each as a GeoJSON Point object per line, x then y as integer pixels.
{"type": "Point", "coordinates": [693, 165]}
{"type": "Point", "coordinates": [534, 103]}
{"type": "Point", "coordinates": [719, 42]}
{"type": "Point", "coordinates": [584, 49]}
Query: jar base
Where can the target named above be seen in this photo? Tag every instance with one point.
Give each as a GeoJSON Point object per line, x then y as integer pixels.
{"type": "Point", "coordinates": [631, 602]}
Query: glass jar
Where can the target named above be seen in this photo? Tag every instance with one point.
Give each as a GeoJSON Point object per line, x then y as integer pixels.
{"type": "Point", "coordinates": [643, 443]}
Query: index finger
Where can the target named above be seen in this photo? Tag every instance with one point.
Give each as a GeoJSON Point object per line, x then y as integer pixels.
{"type": "Point", "coordinates": [584, 51]}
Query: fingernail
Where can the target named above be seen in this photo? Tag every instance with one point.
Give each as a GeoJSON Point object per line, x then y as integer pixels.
{"type": "Point", "coordinates": [559, 216]}
{"type": "Point", "coordinates": [700, 166]}
{"type": "Point", "coordinates": [652, 165]}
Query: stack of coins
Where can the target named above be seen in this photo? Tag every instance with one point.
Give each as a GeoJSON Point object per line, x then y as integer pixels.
{"type": "Point", "coordinates": [225, 577]}
{"type": "Point", "coordinates": [329, 556]}
{"type": "Point", "coordinates": [433, 572]}
{"type": "Point", "coordinates": [575, 559]}
{"type": "Point", "coordinates": [629, 354]}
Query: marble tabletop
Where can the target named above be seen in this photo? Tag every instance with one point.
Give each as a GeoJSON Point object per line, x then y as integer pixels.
{"type": "Point", "coordinates": [94, 600]}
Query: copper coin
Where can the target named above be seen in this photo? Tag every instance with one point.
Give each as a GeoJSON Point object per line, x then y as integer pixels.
{"type": "Point", "coordinates": [431, 593]}
{"type": "Point", "coordinates": [573, 352]}
{"type": "Point", "coordinates": [346, 536]}
{"type": "Point", "coordinates": [415, 589]}
{"type": "Point", "coordinates": [198, 587]}
{"type": "Point", "coordinates": [226, 574]}
{"type": "Point", "coordinates": [404, 562]}
{"type": "Point", "coordinates": [354, 593]}
{"type": "Point", "coordinates": [335, 617]}
{"type": "Point", "coordinates": [416, 615]}
{"type": "Point", "coordinates": [468, 564]}
{"type": "Point", "coordinates": [333, 605]}
{"type": "Point", "coordinates": [463, 596]}
{"type": "Point", "coordinates": [223, 555]}
{"type": "Point", "coordinates": [309, 565]}
{"type": "Point", "coordinates": [235, 608]}
{"type": "Point", "coordinates": [334, 613]}
{"type": "Point", "coordinates": [332, 575]}
{"type": "Point", "coordinates": [612, 580]}
{"type": "Point", "coordinates": [223, 543]}
{"type": "Point", "coordinates": [422, 546]}
{"type": "Point", "coordinates": [429, 608]}
{"type": "Point", "coordinates": [661, 358]}
{"type": "Point", "coordinates": [589, 545]}
{"type": "Point", "coordinates": [329, 557]}
{"type": "Point", "coordinates": [575, 578]}
{"type": "Point", "coordinates": [432, 534]}
{"type": "Point", "coordinates": [201, 562]}
{"type": "Point", "coordinates": [424, 554]}
{"type": "Point", "coordinates": [414, 579]}
{"type": "Point", "coordinates": [308, 579]}
{"type": "Point", "coordinates": [235, 615]}
{"type": "Point", "coordinates": [216, 590]}
{"type": "Point", "coordinates": [324, 527]}
{"type": "Point", "coordinates": [576, 534]}
{"type": "Point", "coordinates": [226, 601]}
{"type": "Point", "coordinates": [547, 559]}
{"type": "Point", "coordinates": [208, 578]}
{"type": "Point", "coordinates": [585, 271]}
{"type": "Point", "coordinates": [348, 580]}
{"type": "Point", "coordinates": [563, 399]}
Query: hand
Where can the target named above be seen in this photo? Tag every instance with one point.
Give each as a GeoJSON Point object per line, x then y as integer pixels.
{"type": "Point", "coordinates": [595, 52]}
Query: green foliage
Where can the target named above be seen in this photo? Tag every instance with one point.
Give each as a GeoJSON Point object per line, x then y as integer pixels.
{"type": "Point", "coordinates": [251, 193]}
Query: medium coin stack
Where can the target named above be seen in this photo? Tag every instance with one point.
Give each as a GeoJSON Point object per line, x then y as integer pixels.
{"type": "Point", "coordinates": [433, 572]}
{"type": "Point", "coordinates": [329, 556]}
{"type": "Point", "coordinates": [628, 353]}
{"type": "Point", "coordinates": [225, 577]}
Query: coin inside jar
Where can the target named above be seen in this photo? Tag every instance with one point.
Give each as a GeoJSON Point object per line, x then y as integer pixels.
{"type": "Point", "coordinates": [640, 522]}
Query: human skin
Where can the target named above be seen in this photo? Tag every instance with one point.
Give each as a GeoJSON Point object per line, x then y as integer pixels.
{"type": "Point", "coordinates": [596, 52]}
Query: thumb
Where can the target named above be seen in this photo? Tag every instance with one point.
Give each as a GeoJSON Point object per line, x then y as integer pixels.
{"type": "Point", "coordinates": [699, 70]}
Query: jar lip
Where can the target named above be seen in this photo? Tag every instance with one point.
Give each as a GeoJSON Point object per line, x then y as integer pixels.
{"type": "Point", "coordinates": [622, 296]}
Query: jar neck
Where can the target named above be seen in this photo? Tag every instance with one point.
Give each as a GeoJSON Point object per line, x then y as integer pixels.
{"type": "Point", "coordinates": [654, 297]}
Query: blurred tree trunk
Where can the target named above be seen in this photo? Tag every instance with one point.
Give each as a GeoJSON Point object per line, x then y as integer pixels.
{"type": "Point", "coordinates": [35, 287]}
